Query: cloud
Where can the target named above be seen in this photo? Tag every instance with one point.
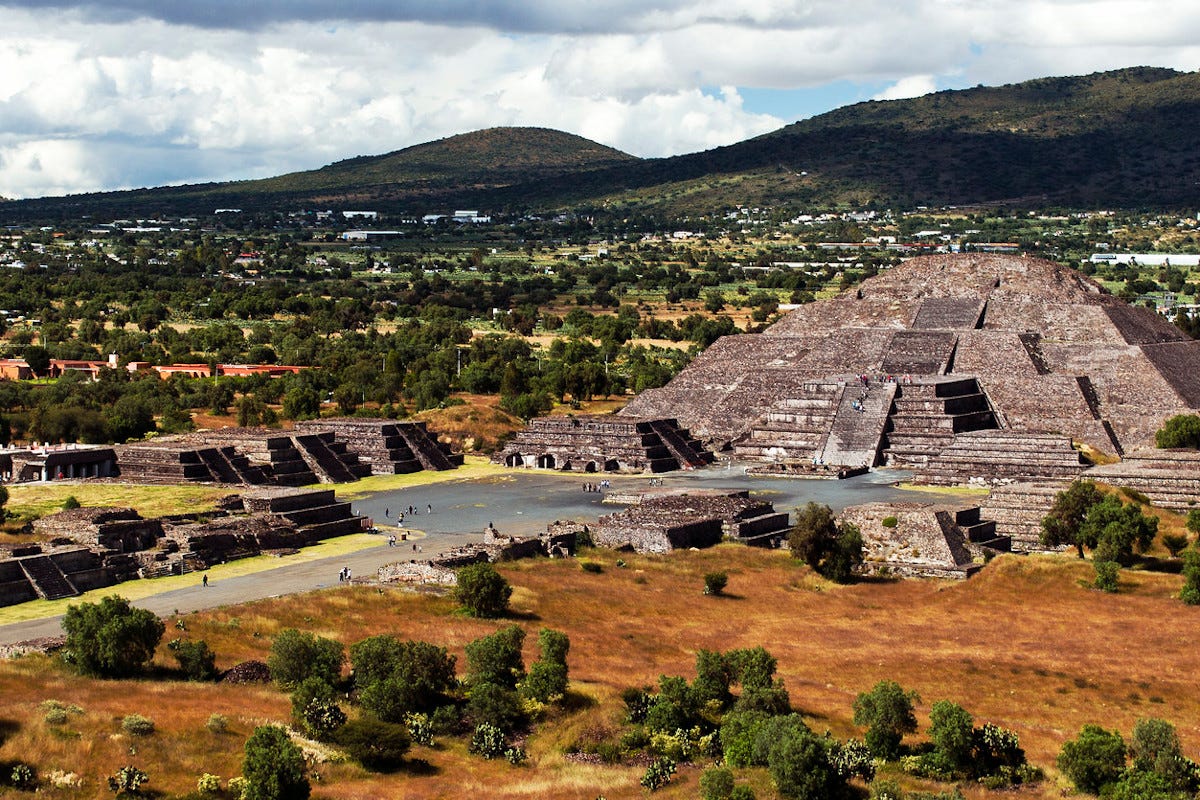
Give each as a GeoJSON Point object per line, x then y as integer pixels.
{"type": "Point", "coordinates": [912, 86]}
{"type": "Point", "coordinates": [128, 93]}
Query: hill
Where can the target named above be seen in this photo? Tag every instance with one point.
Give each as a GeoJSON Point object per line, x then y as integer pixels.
{"type": "Point", "coordinates": [1125, 138]}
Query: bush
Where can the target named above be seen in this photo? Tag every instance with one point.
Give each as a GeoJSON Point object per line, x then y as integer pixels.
{"type": "Point", "coordinates": [1107, 573]}
{"type": "Point", "coordinates": [208, 784]}
{"type": "Point", "coordinates": [591, 566]}
{"type": "Point", "coordinates": [70, 503]}
{"type": "Point", "coordinates": [495, 705]}
{"type": "Point", "coordinates": [217, 723]}
{"type": "Point", "coordinates": [889, 522]}
{"type": "Point", "coordinates": [799, 765]}
{"type": "Point", "coordinates": [111, 639]}
{"type": "Point", "coordinates": [832, 550]}
{"type": "Point", "coordinates": [1190, 593]}
{"type": "Point", "coordinates": [497, 658]}
{"type": "Point", "coordinates": [487, 740]}
{"type": "Point", "coordinates": [716, 784]}
{"type": "Point", "coordinates": [482, 591]}
{"type": "Point", "coordinates": [547, 678]}
{"type": "Point", "coordinates": [420, 728]}
{"type": "Point", "coordinates": [1193, 520]}
{"type": "Point", "coordinates": [887, 710]}
{"type": "Point", "coordinates": [375, 744]}
{"type": "Point", "coordinates": [399, 678]}
{"type": "Point", "coordinates": [137, 725]}
{"type": "Point", "coordinates": [952, 730]}
{"type": "Point", "coordinates": [315, 709]}
{"type": "Point", "coordinates": [1175, 543]}
{"type": "Point", "coordinates": [516, 756]}
{"type": "Point", "coordinates": [658, 774]}
{"type": "Point", "coordinates": [1181, 430]}
{"type": "Point", "coordinates": [296, 656]}
{"type": "Point", "coordinates": [273, 767]}
{"type": "Point", "coordinates": [1093, 760]}
{"type": "Point", "coordinates": [23, 776]}
{"type": "Point", "coordinates": [886, 790]}
{"type": "Point", "coordinates": [127, 780]}
{"type": "Point", "coordinates": [196, 661]}
{"type": "Point", "coordinates": [715, 582]}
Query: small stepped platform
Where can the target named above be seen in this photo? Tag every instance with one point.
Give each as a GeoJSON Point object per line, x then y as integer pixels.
{"type": "Point", "coordinates": [794, 428]}
{"type": "Point", "coordinates": [989, 457]}
{"type": "Point", "coordinates": [384, 447]}
{"type": "Point", "coordinates": [1017, 509]}
{"type": "Point", "coordinates": [924, 540]}
{"type": "Point", "coordinates": [47, 579]}
{"type": "Point", "coordinates": [604, 444]}
{"type": "Point", "coordinates": [1170, 478]}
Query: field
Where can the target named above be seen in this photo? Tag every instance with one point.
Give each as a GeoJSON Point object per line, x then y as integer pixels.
{"type": "Point", "coordinates": [1024, 644]}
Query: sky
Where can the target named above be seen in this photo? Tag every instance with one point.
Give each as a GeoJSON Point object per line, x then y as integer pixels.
{"type": "Point", "coordinates": [120, 94]}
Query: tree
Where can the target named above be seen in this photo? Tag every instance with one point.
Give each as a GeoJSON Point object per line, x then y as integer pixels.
{"type": "Point", "coordinates": [497, 658]}
{"type": "Point", "coordinates": [1182, 430]}
{"type": "Point", "coordinates": [196, 660]}
{"type": "Point", "coordinates": [111, 639]}
{"type": "Point", "coordinates": [951, 728]}
{"type": "Point", "coordinates": [832, 550]}
{"type": "Point", "coordinates": [1093, 760]}
{"type": "Point", "coordinates": [1114, 530]}
{"type": "Point", "coordinates": [397, 678]}
{"type": "Point", "coordinates": [887, 711]}
{"type": "Point", "coordinates": [1190, 593]}
{"type": "Point", "coordinates": [273, 767]}
{"type": "Point", "coordinates": [296, 656]}
{"type": "Point", "coordinates": [1193, 520]}
{"type": "Point", "coordinates": [38, 359]}
{"type": "Point", "coordinates": [1062, 524]}
{"type": "Point", "coordinates": [1154, 747]}
{"type": "Point", "coordinates": [315, 708]}
{"type": "Point", "coordinates": [799, 765]}
{"type": "Point", "coordinates": [547, 678]}
{"type": "Point", "coordinates": [482, 591]}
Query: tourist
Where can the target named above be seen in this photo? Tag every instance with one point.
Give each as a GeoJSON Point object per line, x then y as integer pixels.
{"type": "Point", "coordinates": [204, 579]}
{"type": "Point", "coordinates": [429, 508]}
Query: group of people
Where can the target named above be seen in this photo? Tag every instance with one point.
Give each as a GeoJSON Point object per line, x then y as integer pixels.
{"type": "Point", "coordinates": [387, 512]}
{"type": "Point", "coordinates": [344, 574]}
{"type": "Point", "coordinates": [596, 487]}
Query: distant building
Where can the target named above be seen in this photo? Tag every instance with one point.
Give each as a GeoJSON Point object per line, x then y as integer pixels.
{"type": "Point", "coordinates": [1148, 259]}
{"type": "Point", "coordinates": [360, 214]}
{"type": "Point", "coordinates": [363, 236]}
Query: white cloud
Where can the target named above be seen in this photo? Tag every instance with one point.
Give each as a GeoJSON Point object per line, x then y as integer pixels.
{"type": "Point", "coordinates": [126, 93]}
{"type": "Point", "coordinates": [912, 86]}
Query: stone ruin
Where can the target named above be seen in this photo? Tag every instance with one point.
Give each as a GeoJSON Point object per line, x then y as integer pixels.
{"type": "Point", "coordinates": [90, 548]}
{"type": "Point", "coordinates": [316, 451]}
{"type": "Point", "coordinates": [591, 443]}
{"type": "Point", "coordinates": [559, 541]}
{"type": "Point", "coordinates": [923, 540]}
{"type": "Point", "coordinates": [672, 520]}
{"type": "Point", "coordinates": [57, 462]}
{"type": "Point", "coordinates": [976, 366]}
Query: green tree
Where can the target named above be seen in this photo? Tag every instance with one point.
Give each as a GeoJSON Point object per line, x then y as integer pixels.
{"type": "Point", "coordinates": [196, 660]}
{"type": "Point", "coordinates": [1094, 759]}
{"type": "Point", "coordinates": [1190, 593]}
{"type": "Point", "coordinates": [799, 765]}
{"type": "Point", "coordinates": [887, 711]}
{"type": "Point", "coordinates": [1114, 530]}
{"type": "Point", "coordinates": [273, 767]}
{"type": "Point", "coordinates": [111, 639]}
{"type": "Point", "coordinates": [497, 658]}
{"type": "Point", "coordinates": [296, 656]}
{"type": "Point", "coordinates": [1154, 747]}
{"type": "Point", "coordinates": [952, 731]}
{"type": "Point", "coordinates": [1182, 430]}
{"type": "Point", "coordinates": [1193, 520]}
{"type": "Point", "coordinates": [482, 591]}
{"type": "Point", "coordinates": [397, 678]}
{"type": "Point", "coordinates": [315, 709]}
{"type": "Point", "coordinates": [832, 550]}
{"type": "Point", "coordinates": [547, 678]}
{"type": "Point", "coordinates": [1062, 524]}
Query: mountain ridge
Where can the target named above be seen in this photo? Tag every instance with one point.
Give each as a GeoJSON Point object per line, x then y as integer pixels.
{"type": "Point", "coordinates": [1123, 138]}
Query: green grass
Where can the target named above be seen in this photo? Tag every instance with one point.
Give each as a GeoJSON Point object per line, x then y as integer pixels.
{"type": "Point", "coordinates": [32, 501]}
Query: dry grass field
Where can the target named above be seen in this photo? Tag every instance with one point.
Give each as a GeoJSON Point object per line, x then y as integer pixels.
{"type": "Point", "coordinates": [1024, 644]}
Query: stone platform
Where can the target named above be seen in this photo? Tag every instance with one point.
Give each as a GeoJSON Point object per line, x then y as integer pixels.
{"type": "Point", "coordinates": [603, 444]}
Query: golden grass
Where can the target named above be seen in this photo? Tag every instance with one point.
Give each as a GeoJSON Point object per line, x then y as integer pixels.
{"type": "Point", "coordinates": [473, 467]}
{"type": "Point", "coordinates": [1024, 644]}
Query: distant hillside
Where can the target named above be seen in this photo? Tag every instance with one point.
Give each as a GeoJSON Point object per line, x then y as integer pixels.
{"type": "Point", "coordinates": [1128, 138]}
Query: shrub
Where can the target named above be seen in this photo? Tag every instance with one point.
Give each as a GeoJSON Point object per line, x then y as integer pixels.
{"type": "Point", "coordinates": [715, 582]}
{"type": "Point", "coordinates": [127, 780]}
{"type": "Point", "coordinates": [137, 725]}
{"type": "Point", "coordinates": [799, 765]}
{"type": "Point", "coordinates": [886, 790]}
{"type": "Point", "coordinates": [1181, 430]}
{"type": "Point", "coordinates": [547, 678]}
{"type": "Point", "coordinates": [952, 730]}
{"type": "Point", "coordinates": [852, 759]}
{"type": "Point", "coordinates": [208, 784]}
{"type": "Point", "coordinates": [315, 709]}
{"type": "Point", "coordinates": [1190, 593]}
{"type": "Point", "coordinates": [420, 728]}
{"type": "Point", "coordinates": [375, 744]}
{"type": "Point", "coordinates": [593, 567]}
{"type": "Point", "coordinates": [1107, 573]}
{"type": "Point", "coordinates": [70, 503]}
{"type": "Point", "coordinates": [217, 723]}
{"type": "Point", "coordinates": [516, 756]}
{"type": "Point", "coordinates": [482, 591]}
{"type": "Point", "coordinates": [487, 740]}
{"type": "Point", "coordinates": [741, 792]}
{"type": "Point", "coordinates": [1193, 520]}
{"type": "Point", "coordinates": [111, 639]}
{"type": "Point", "coordinates": [1174, 542]}
{"type": "Point", "coordinates": [716, 784]}
{"type": "Point", "coordinates": [658, 774]}
{"type": "Point", "coordinates": [23, 776]}
{"type": "Point", "coordinates": [495, 705]}
{"type": "Point", "coordinates": [1094, 759]}
{"type": "Point", "coordinates": [497, 658]}
{"type": "Point", "coordinates": [273, 767]}
{"type": "Point", "coordinates": [889, 522]}
{"type": "Point", "coordinates": [296, 656]}
{"type": "Point", "coordinates": [887, 710]}
{"type": "Point", "coordinates": [196, 661]}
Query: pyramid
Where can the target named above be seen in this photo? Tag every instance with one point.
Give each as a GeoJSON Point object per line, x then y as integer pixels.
{"type": "Point", "coordinates": [950, 344]}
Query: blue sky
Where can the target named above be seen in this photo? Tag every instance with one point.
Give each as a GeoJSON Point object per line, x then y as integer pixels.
{"type": "Point", "coordinates": [115, 94]}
